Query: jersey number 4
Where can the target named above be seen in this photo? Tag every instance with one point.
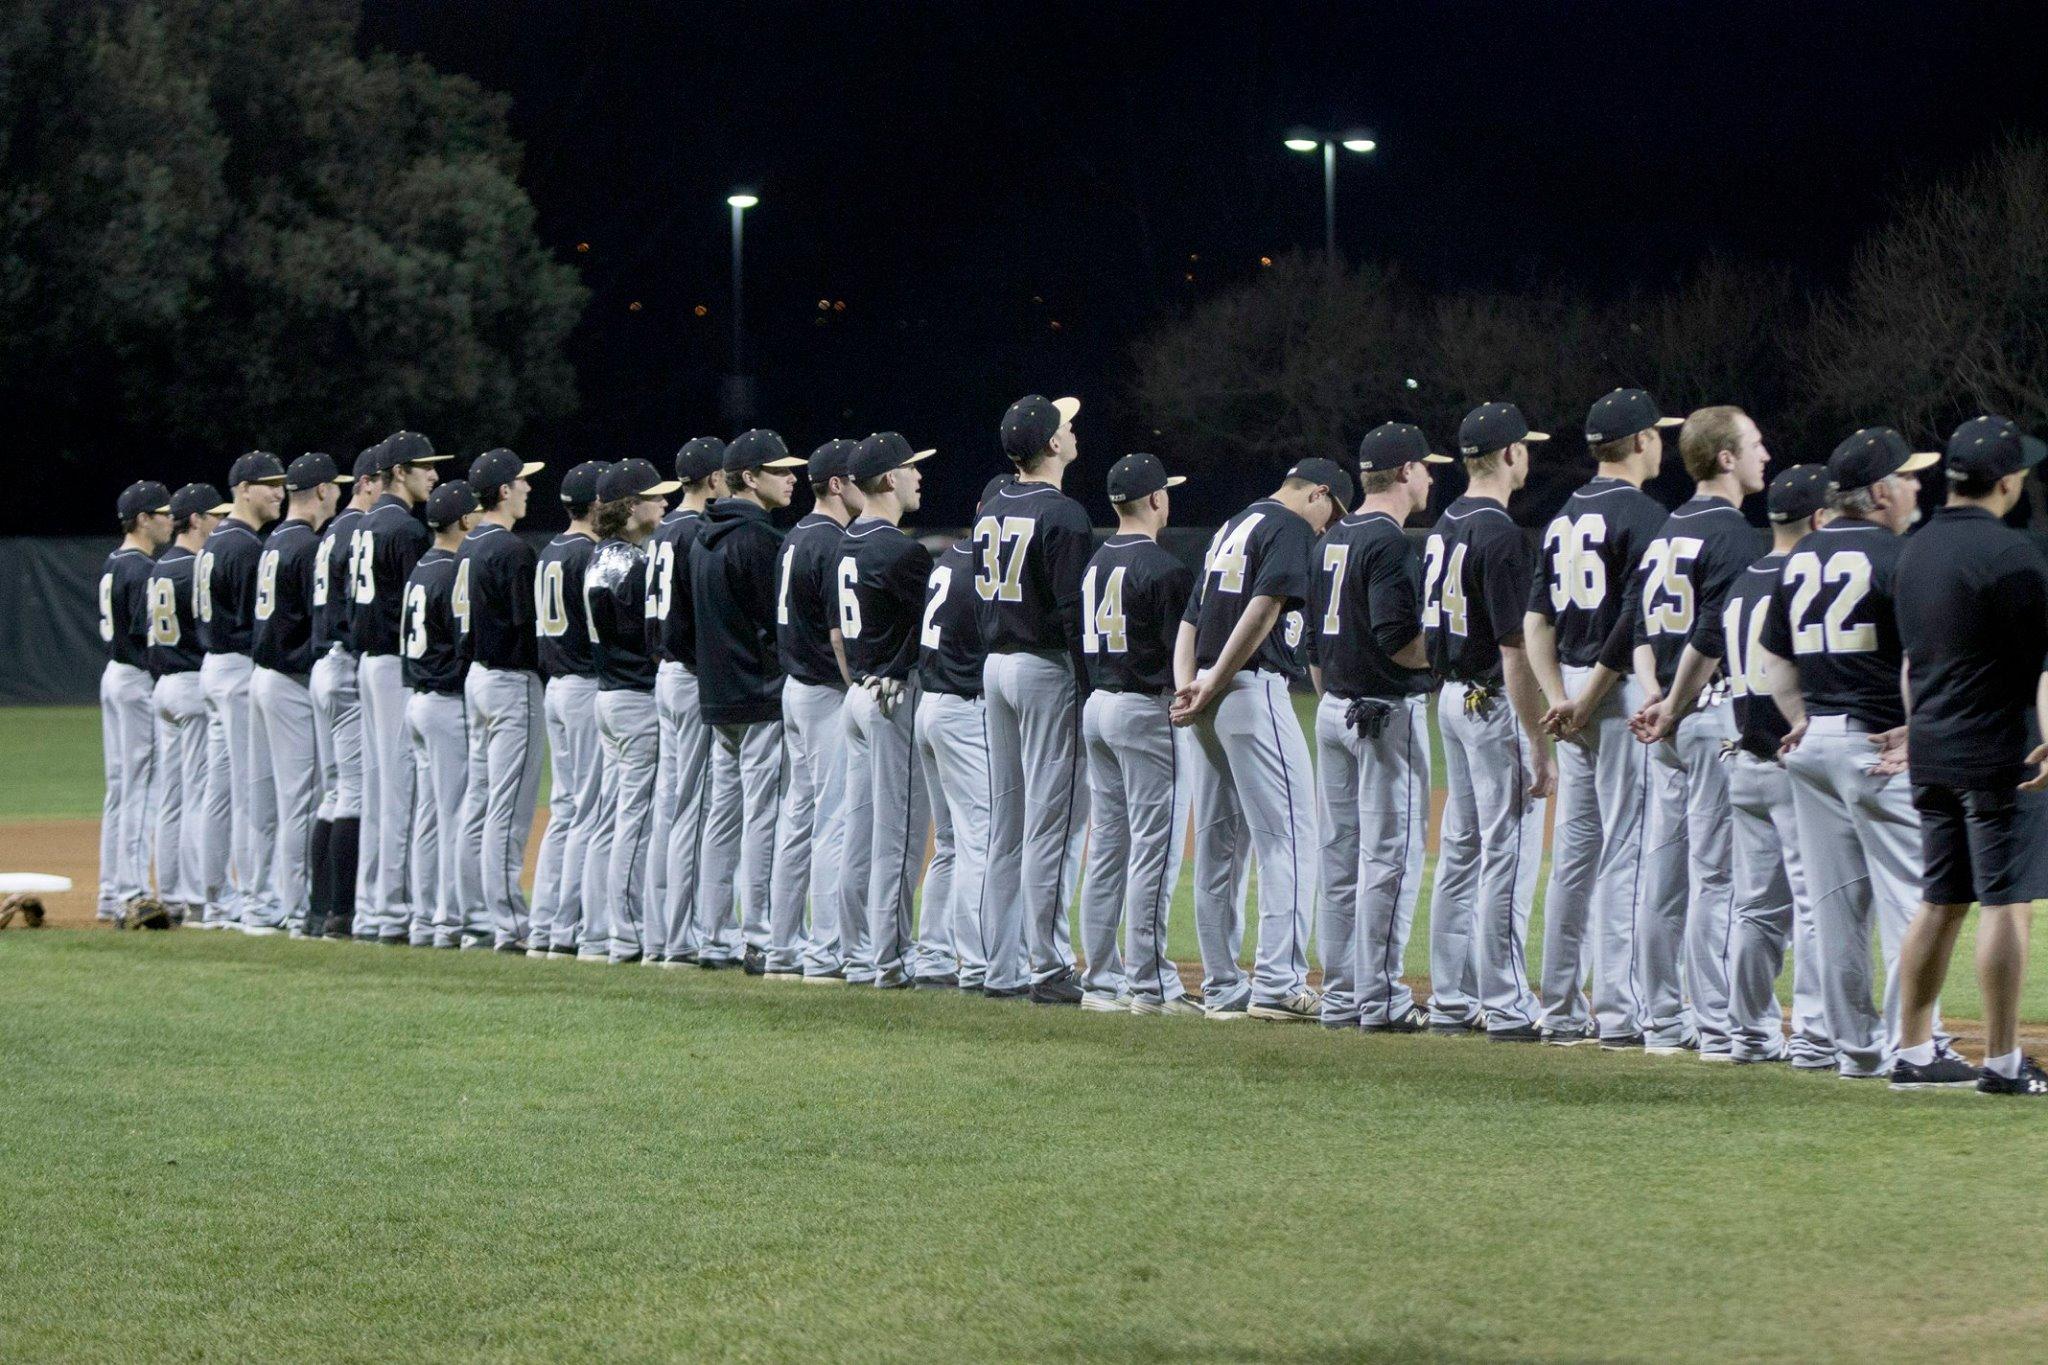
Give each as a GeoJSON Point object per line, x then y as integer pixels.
{"type": "Point", "coordinates": [1102, 616]}
{"type": "Point", "coordinates": [1445, 610]}
{"type": "Point", "coordinates": [1230, 553]}
{"type": "Point", "coordinates": [999, 550]}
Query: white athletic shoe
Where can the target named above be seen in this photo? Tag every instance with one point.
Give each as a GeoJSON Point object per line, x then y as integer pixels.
{"type": "Point", "coordinates": [1180, 1006]}
{"type": "Point", "coordinates": [1106, 1004]}
{"type": "Point", "coordinates": [1301, 1007]}
{"type": "Point", "coordinates": [1223, 1016]}
{"type": "Point", "coordinates": [261, 930]}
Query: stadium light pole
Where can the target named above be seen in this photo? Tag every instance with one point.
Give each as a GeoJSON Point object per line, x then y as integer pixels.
{"type": "Point", "coordinates": [1308, 140]}
{"type": "Point", "coordinates": [740, 201]}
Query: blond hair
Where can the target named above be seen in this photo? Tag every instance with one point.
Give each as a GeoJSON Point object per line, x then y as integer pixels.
{"type": "Point", "coordinates": [1705, 435]}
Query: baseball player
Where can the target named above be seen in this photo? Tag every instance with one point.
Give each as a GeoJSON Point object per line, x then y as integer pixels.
{"type": "Point", "coordinates": [494, 607]}
{"type": "Point", "coordinates": [337, 714]}
{"type": "Point", "coordinates": [1249, 757]}
{"type": "Point", "coordinates": [127, 723]}
{"type": "Point", "coordinates": [1973, 616]}
{"type": "Point", "coordinates": [1372, 736]}
{"type": "Point", "coordinates": [443, 851]}
{"type": "Point", "coordinates": [1139, 791]}
{"type": "Point", "coordinates": [1833, 660]}
{"type": "Point", "coordinates": [1579, 614]}
{"type": "Point", "coordinates": [879, 585]}
{"type": "Point", "coordinates": [280, 691]}
{"type": "Point", "coordinates": [952, 742]}
{"type": "Point", "coordinates": [1477, 568]}
{"type": "Point", "coordinates": [570, 701]}
{"type": "Point", "coordinates": [180, 704]}
{"type": "Point", "coordinates": [1771, 901]}
{"type": "Point", "coordinates": [1032, 544]}
{"type": "Point", "coordinates": [241, 805]}
{"type": "Point", "coordinates": [671, 929]}
{"type": "Point", "coordinates": [631, 499]}
{"type": "Point", "coordinates": [809, 831]}
{"type": "Point", "coordinates": [739, 691]}
{"type": "Point", "coordinates": [388, 542]}
{"type": "Point", "coordinates": [1684, 936]}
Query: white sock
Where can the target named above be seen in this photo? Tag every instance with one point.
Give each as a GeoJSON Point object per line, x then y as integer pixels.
{"type": "Point", "coordinates": [1920, 1054]}
{"type": "Point", "coordinates": [2007, 1066]}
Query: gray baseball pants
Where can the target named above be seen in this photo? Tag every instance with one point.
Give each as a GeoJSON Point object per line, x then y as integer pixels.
{"type": "Point", "coordinates": [654, 929]}
{"type": "Point", "coordinates": [737, 863]}
{"type": "Point", "coordinates": [506, 725]}
{"type": "Point", "coordinates": [442, 847]}
{"type": "Point", "coordinates": [570, 707]}
{"type": "Point", "coordinates": [1771, 908]}
{"type": "Point", "coordinates": [686, 762]}
{"type": "Point", "coordinates": [1038, 801]}
{"type": "Point", "coordinates": [888, 809]}
{"type": "Point", "coordinates": [128, 750]}
{"type": "Point", "coordinates": [810, 833]}
{"type": "Point", "coordinates": [1685, 938]}
{"type": "Point", "coordinates": [1140, 789]}
{"type": "Point", "coordinates": [338, 735]}
{"type": "Point", "coordinates": [1374, 816]}
{"type": "Point", "coordinates": [615, 878]}
{"type": "Point", "coordinates": [1596, 872]}
{"type": "Point", "coordinates": [250, 800]}
{"type": "Point", "coordinates": [952, 738]}
{"type": "Point", "coordinates": [384, 855]}
{"type": "Point", "coordinates": [1860, 839]}
{"type": "Point", "coordinates": [181, 791]}
{"type": "Point", "coordinates": [281, 709]}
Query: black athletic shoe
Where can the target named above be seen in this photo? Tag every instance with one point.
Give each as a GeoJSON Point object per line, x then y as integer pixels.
{"type": "Point", "coordinates": [1416, 1020]}
{"type": "Point", "coordinates": [1575, 1037]}
{"type": "Point", "coordinates": [1457, 1029]}
{"type": "Point", "coordinates": [2031, 1083]}
{"type": "Point", "coordinates": [1058, 990]}
{"type": "Point", "coordinates": [1341, 1025]}
{"type": "Point", "coordinates": [512, 946]}
{"type": "Point", "coordinates": [1013, 993]}
{"type": "Point", "coordinates": [1943, 1073]}
{"type": "Point", "coordinates": [893, 983]}
{"type": "Point", "coordinates": [1778, 1060]}
{"type": "Point", "coordinates": [947, 982]}
{"type": "Point", "coordinates": [755, 962]}
{"type": "Point", "coordinates": [835, 977]}
{"type": "Point", "coordinates": [717, 964]}
{"type": "Point", "coordinates": [1520, 1033]}
{"type": "Point", "coordinates": [1622, 1042]}
{"type": "Point", "coordinates": [563, 950]}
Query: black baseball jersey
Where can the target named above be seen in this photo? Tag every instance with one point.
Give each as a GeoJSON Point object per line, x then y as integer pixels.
{"type": "Point", "coordinates": [1131, 599]}
{"type": "Point", "coordinates": [1972, 606]}
{"type": "Point", "coordinates": [615, 605]}
{"type": "Point", "coordinates": [173, 629]}
{"type": "Point", "coordinates": [1476, 566]}
{"type": "Point", "coordinates": [1831, 614]}
{"type": "Point", "coordinates": [1263, 551]}
{"type": "Point", "coordinates": [1031, 546]}
{"type": "Point", "coordinates": [807, 600]}
{"type": "Point", "coordinates": [1685, 577]}
{"type": "Point", "coordinates": [332, 590]}
{"type": "Point", "coordinates": [1591, 551]}
{"type": "Point", "coordinates": [881, 576]}
{"type": "Point", "coordinates": [224, 588]}
{"type": "Point", "coordinates": [1364, 607]}
{"type": "Point", "coordinates": [283, 636]}
{"type": "Point", "coordinates": [431, 639]}
{"type": "Point", "coordinates": [1758, 721]}
{"type": "Point", "coordinates": [559, 623]}
{"type": "Point", "coordinates": [949, 654]}
{"type": "Point", "coordinates": [391, 540]}
{"type": "Point", "coordinates": [671, 619]}
{"type": "Point", "coordinates": [494, 598]}
{"type": "Point", "coordinates": [124, 606]}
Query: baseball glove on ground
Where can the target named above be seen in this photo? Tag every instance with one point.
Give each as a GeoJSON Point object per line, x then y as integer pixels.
{"type": "Point", "coordinates": [26, 908]}
{"type": "Point", "coordinates": [146, 912]}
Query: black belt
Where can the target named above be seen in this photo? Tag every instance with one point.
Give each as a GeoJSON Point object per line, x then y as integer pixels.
{"type": "Point", "coordinates": [1137, 691]}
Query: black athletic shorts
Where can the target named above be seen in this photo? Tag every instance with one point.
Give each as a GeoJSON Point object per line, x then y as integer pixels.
{"type": "Point", "coordinates": [1974, 845]}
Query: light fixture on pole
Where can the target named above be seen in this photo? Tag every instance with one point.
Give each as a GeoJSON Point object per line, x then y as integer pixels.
{"type": "Point", "coordinates": [738, 395]}
{"type": "Point", "coordinates": [1357, 140]}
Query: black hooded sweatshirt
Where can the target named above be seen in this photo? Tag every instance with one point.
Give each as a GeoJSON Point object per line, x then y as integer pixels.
{"type": "Point", "coordinates": [732, 583]}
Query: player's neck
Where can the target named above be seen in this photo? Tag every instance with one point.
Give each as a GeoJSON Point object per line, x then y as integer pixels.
{"type": "Point", "coordinates": [313, 516]}
{"type": "Point", "coordinates": [697, 498]}
{"type": "Point", "coordinates": [1623, 471]}
{"type": "Point", "coordinates": [1392, 503]}
{"type": "Point", "coordinates": [883, 507]}
{"type": "Point", "coordinates": [450, 539]}
{"type": "Point", "coordinates": [752, 499]}
{"type": "Point", "coordinates": [1725, 487]}
{"type": "Point", "coordinates": [193, 540]}
{"type": "Point", "coordinates": [833, 508]}
{"type": "Point", "coordinates": [501, 517]}
{"type": "Point", "coordinates": [136, 542]}
{"type": "Point", "coordinates": [249, 516]}
{"type": "Point", "coordinates": [1494, 488]}
{"type": "Point", "coordinates": [1990, 505]}
{"type": "Point", "coordinates": [1147, 527]}
{"type": "Point", "coordinates": [1784, 538]}
{"type": "Point", "coordinates": [582, 527]}
{"type": "Point", "coordinates": [1052, 472]}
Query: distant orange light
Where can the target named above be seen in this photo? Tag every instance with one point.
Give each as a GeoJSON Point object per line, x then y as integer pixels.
{"type": "Point", "coordinates": [583, 246]}
{"type": "Point", "coordinates": [839, 305]}
{"type": "Point", "coordinates": [1265, 260]}
{"type": "Point", "coordinates": [700, 310]}
{"type": "Point", "coordinates": [633, 307]}
{"type": "Point", "coordinates": [1189, 277]}
{"type": "Point", "coordinates": [824, 305]}
{"type": "Point", "coordinates": [1055, 324]}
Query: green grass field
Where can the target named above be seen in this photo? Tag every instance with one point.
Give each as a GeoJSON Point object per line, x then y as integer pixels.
{"type": "Point", "coordinates": [215, 1147]}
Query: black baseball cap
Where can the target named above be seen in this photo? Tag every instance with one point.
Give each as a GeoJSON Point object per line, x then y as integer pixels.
{"type": "Point", "coordinates": [1990, 447]}
{"type": "Point", "coordinates": [580, 483]}
{"type": "Point", "coordinates": [311, 470]}
{"type": "Point", "coordinates": [1139, 475]}
{"type": "Point", "coordinates": [498, 469]}
{"type": "Point", "coordinates": [1494, 426]}
{"type": "Point", "coordinates": [1328, 473]}
{"type": "Point", "coordinates": [700, 458]}
{"type": "Point", "coordinates": [258, 466]}
{"type": "Point", "coordinates": [449, 503]}
{"type": "Point", "coordinates": [883, 451]}
{"type": "Point", "coordinates": [633, 479]}
{"type": "Point", "coordinates": [759, 448]}
{"type": "Point", "coordinates": [405, 447]}
{"type": "Point", "coordinates": [992, 487]}
{"type": "Point", "coordinates": [366, 462]}
{"type": "Point", "coordinates": [1797, 493]}
{"type": "Point", "coordinates": [199, 499]}
{"type": "Point", "coordinates": [1872, 454]}
{"type": "Point", "coordinates": [1393, 444]}
{"type": "Point", "coordinates": [145, 496]}
{"type": "Point", "coordinates": [832, 460]}
{"type": "Point", "coordinates": [1031, 423]}
{"type": "Point", "coordinates": [1622, 414]}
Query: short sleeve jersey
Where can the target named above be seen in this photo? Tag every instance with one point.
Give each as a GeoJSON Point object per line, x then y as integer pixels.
{"type": "Point", "coordinates": [1263, 551]}
{"type": "Point", "coordinates": [881, 579]}
{"type": "Point", "coordinates": [1591, 551]}
{"type": "Point", "coordinates": [1132, 597]}
{"type": "Point", "coordinates": [1759, 723]}
{"type": "Point", "coordinates": [1476, 569]}
{"type": "Point", "coordinates": [224, 588]}
{"type": "Point", "coordinates": [1831, 615]}
{"type": "Point", "coordinates": [331, 587]}
{"type": "Point", "coordinates": [173, 630]}
{"type": "Point", "coordinates": [430, 644]}
{"type": "Point", "coordinates": [391, 541]}
{"type": "Point", "coordinates": [671, 620]}
{"type": "Point", "coordinates": [807, 600]}
{"type": "Point", "coordinates": [949, 653]}
{"type": "Point", "coordinates": [494, 598]}
{"type": "Point", "coordinates": [559, 622]}
{"type": "Point", "coordinates": [124, 606]}
{"type": "Point", "coordinates": [1365, 606]}
{"type": "Point", "coordinates": [1685, 578]}
{"type": "Point", "coordinates": [282, 638]}
{"type": "Point", "coordinates": [615, 605]}
{"type": "Point", "coordinates": [1031, 546]}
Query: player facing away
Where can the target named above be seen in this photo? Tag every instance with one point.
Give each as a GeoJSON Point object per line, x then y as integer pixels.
{"type": "Point", "coordinates": [1477, 567]}
{"type": "Point", "coordinates": [1579, 613]}
{"type": "Point", "coordinates": [388, 543]}
{"type": "Point", "coordinates": [880, 583]}
{"type": "Point", "coordinates": [280, 688]}
{"type": "Point", "coordinates": [1372, 735]}
{"type": "Point", "coordinates": [338, 714]}
{"type": "Point", "coordinates": [443, 852]}
{"type": "Point", "coordinates": [1139, 776]}
{"type": "Point", "coordinates": [570, 703]}
{"type": "Point", "coordinates": [952, 742]}
{"type": "Point", "coordinates": [1973, 617]}
{"type": "Point", "coordinates": [1031, 546]}
{"type": "Point", "coordinates": [809, 833]}
{"type": "Point", "coordinates": [241, 809]}
{"type": "Point", "coordinates": [679, 783]}
{"type": "Point", "coordinates": [1249, 758]}
{"type": "Point", "coordinates": [739, 689]}
{"type": "Point", "coordinates": [180, 703]}
{"type": "Point", "coordinates": [127, 720]}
